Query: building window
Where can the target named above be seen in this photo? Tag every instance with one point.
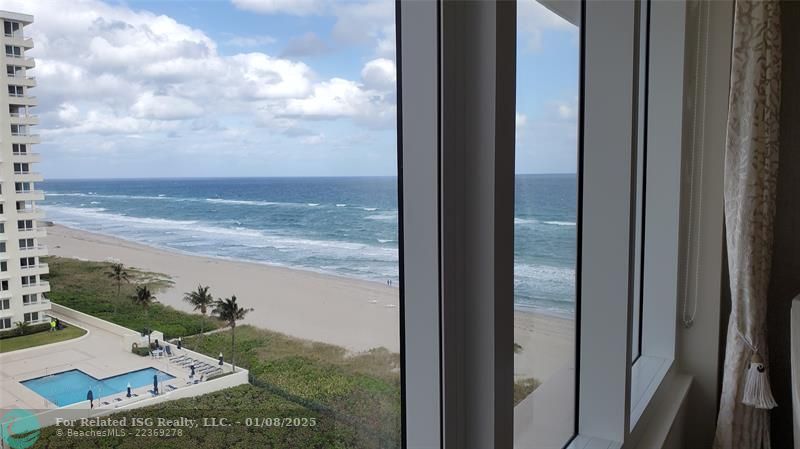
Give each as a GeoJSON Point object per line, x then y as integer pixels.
{"type": "Point", "coordinates": [28, 280]}
{"type": "Point", "coordinates": [19, 130]}
{"type": "Point", "coordinates": [3, 266]}
{"type": "Point", "coordinates": [27, 262]}
{"type": "Point", "coordinates": [13, 51]}
{"type": "Point", "coordinates": [23, 187]}
{"type": "Point", "coordinates": [26, 244]}
{"type": "Point", "coordinates": [5, 323]}
{"type": "Point", "coordinates": [2, 228]}
{"type": "Point", "coordinates": [2, 247]}
{"type": "Point", "coordinates": [31, 317]}
{"type": "Point", "coordinates": [16, 91]}
{"type": "Point", "coordinates": [10, 28]}
{"type": "Point", "coordinates": [24, 225]}
{"type": "Point", "coordinates": [5, 304]}
{"type": "Point", "coordinates": [21, 168]}
{"type": "Point", "coordinates": [19, 148]}
{"type": "Point", "coordinates": [32, 298]}
{"type": "Point", "coordinates": [4, 285]}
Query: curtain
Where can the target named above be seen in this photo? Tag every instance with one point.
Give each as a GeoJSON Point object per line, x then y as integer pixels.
{"type": "Point", "coordinates": [751, 168]}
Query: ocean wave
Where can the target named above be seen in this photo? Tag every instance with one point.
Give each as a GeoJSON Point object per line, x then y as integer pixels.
{"type": "Point", "coordinates": [370, 209]}
{"type": "Point", "coordinates": [312, 204]}
{"type": "Point", "coordinates": [560, 223]}
{"type": "Point", "coordinates": [341, 205]}
{"type": "Point", "coordinates": [243, 202]}
{"type": "Point", "coordinates": [525, 220]}
{"type": "Point", "coordinates": [216, 238]}
{"type": "Point", "coordinates": [382, 217]}
{"type": "Point", "coordinates": [386, 240]}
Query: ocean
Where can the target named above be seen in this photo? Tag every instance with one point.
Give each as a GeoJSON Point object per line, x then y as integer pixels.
{"type": "Point", "coordinates": [345, 226]}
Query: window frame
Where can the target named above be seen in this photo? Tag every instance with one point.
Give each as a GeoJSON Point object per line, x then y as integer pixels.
{"type": "Point", "coordinates": [442, 407]}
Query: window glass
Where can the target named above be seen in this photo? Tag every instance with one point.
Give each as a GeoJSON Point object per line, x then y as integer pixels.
{"type": "Point", "coordinates": [251, 150]}
{"type": "Point", "coordinates": [546, 215]}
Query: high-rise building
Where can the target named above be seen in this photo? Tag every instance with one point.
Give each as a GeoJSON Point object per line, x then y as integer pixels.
{"type": "Point", "coordinates": [22, 290]}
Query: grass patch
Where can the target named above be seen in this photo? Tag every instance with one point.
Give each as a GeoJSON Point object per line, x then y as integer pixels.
{"type": "Point", "coordinates": [241, 403]}
{"type": "Point", "coordinates": [40, 338]}
{"type": "Point", "coordinates": [84, 286]}
{"type": "Point", "coordinates": [361, 391]}
{"type": "Point", "coordinates": [523, 388]}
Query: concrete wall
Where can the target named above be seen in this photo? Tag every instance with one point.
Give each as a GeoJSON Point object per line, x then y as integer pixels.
{"type": "Point", "coordinates": [129, 336]}
{"type": "Point", "coordinates": [785, 279]}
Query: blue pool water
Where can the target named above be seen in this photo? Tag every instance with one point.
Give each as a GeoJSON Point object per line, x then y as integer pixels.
{"type": "Point", "coordinates": [69, 387]}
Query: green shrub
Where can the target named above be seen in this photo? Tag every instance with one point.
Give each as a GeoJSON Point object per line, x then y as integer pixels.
{"type": "Point", "coordinates": [30, 329]}
{"type": "Point", "coordinates": [142, 351]}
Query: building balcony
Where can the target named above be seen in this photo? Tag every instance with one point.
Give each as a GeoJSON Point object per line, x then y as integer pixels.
{"type": "Point", "coordinates": [28, 157]}
{"type": "Point", "coordinates": [36, 250]}
{"type": "Point", "coordinates": [29, 195]}
{"type": "Point", "coordinates": [25, 100]}
{"type": "Point", "coordinates": [30, 214]}
{"type": "Point", "coordinates": [29, 139]}
{"type": "Point", "coordinates": [17, 119]}
{"type": "Point", "coordinates": [28, 176]}
{"type": "Point", "coordinates": [6, 294]}
{"type": "Point", "coordinates": [22, 61]}
{"type": "Point", "coordinates": [19, 40]}
{"type": "Point", "coordinates": [27, 81]}
{"type": "Point", "coordinates": [32, 233]}
{"type": "Point", "coordinates": [37, 287]}
{"type": "Point", "coordinates": [41, 268]}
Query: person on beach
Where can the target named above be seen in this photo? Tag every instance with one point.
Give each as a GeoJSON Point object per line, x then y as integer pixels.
{"type": "Point", "coordinates": [52, 325]}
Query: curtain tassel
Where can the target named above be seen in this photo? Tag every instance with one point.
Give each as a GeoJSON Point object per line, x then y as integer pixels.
{"type": "Point", "coordinates": [757, 392]}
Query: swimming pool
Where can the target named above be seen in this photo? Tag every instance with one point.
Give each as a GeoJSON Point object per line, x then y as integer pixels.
{"type": "Point", "coordinates": [69, 387]}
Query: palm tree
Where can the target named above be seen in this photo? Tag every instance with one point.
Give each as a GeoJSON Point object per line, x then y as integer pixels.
{"type": "Point", "coordinates": [145, 298]}
{"type": "Point", "coordinates": [118, 274]}
{"type": "Point", "coordinates": [201, 300]}
{"type": "Point", "coordinates": [229, 311]}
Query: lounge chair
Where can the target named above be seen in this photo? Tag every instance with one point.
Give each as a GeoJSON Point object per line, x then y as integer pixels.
{"type": "Point", "coordinates": [117, 399]}
{"type": "Point", "coordinates": [172, 387]}
{"type": "Point", "coordinates": [106, 403]}
{"type": "Point", "coordinates": [168, 350]}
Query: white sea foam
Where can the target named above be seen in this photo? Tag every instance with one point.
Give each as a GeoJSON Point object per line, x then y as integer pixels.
{"type": "Point", "coordinates": [341, 205]}
{"type": "Point", "coordinates": [560, 223]}
{"type": "Point", "coordinates": [370, 208]}
{"type": "Point", "coordinates": [243, 202]}
{"type": "Point", "coordinates": [518, 221]}
{"type": "Point", "coordinates": [313, 204]}
{"type": "Point", "coordinates": [382, 217]}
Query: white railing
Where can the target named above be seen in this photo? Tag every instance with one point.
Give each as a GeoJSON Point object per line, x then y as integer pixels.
{"type": "Point", "coordinates": [37, 284]}
{"type": "Point", "coordinates": [33, 248]}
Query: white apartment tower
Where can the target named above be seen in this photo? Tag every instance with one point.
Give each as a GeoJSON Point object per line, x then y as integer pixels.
{"type": "Point", "coordinates": [22, 290]}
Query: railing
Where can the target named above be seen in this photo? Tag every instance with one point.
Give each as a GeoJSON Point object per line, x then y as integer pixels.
{"type": "Point", "coordinates": [31, 267]}
{"type": "Point", "coordinates": [28, 191]}
{"type": "Point", "coordinates": [28, 172]}
{"type": "Point", "coordinates": [33, 248]}
{"type": "Point", "coordinates": [37, 284]}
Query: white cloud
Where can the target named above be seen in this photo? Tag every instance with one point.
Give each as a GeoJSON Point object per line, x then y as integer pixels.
{"type": "Point", "coordinates": [339, 98]}
{"type": "Point", "coordinates": [165, 107]}
{"type": "Point", "coordinates": [379, 73]}
{"type": "Point", "coordinates": [292, 7]}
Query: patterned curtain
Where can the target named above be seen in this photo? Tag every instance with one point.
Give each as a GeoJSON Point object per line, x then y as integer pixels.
{"type": "Point", "coordinates": [751, 168]}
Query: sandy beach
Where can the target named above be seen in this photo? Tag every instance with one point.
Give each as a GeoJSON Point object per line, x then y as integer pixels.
{"type": "Point", "coordinates": [358, 315]}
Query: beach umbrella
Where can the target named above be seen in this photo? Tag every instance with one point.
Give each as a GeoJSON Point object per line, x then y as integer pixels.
{"type": "Point", "coordinates": [90, 398]}
{"type": "Point", "coordinates": [220, 359]}
{"type": "Point", "coordinates": [191, 367]}
{"type": "Point", "coordinates": [155, 384]}
{"type": "Point", "coordinates": [180, 343]}
{"type": "Point", "coordinates": [129, 389]}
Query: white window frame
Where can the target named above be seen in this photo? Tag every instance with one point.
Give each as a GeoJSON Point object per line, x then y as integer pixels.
{"type": "Point", "coordinates": [5, 323]}
{"type": "Point", "coordinates": [456, 123]}
{"type": "Point", "coordinates": [5, 304]}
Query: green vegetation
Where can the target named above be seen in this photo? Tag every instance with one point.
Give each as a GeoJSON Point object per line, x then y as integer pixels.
{"type": "Point", "coordinates": [355, 398]}
{"type": "Point", "coordinates": [523, 388]}
{"type": "Point", "coordinates": [86, 287]}
{"type": "Point", "coordinates": [241, 404]}
{"type": "Point", "coordinates": [40, 338]}
{"type": "Point", "coordinates": [229, 312]}
{"type": "Point", "coordinates": [200, 299]}
{"type": "Point", "coordinates": [26, 329]}
{"type": "Point", "coordinates": [362, 390]}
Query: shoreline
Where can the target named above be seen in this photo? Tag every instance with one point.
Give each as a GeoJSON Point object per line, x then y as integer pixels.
{"type": "Point", "coordinates": [356, 314]}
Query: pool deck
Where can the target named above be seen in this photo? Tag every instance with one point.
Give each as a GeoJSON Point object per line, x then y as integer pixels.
{"type": "Point", "coordinates": [99, 353]}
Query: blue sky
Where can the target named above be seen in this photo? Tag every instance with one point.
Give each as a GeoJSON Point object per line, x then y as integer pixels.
{"type": "Point", "coordinates": [258, 88]}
